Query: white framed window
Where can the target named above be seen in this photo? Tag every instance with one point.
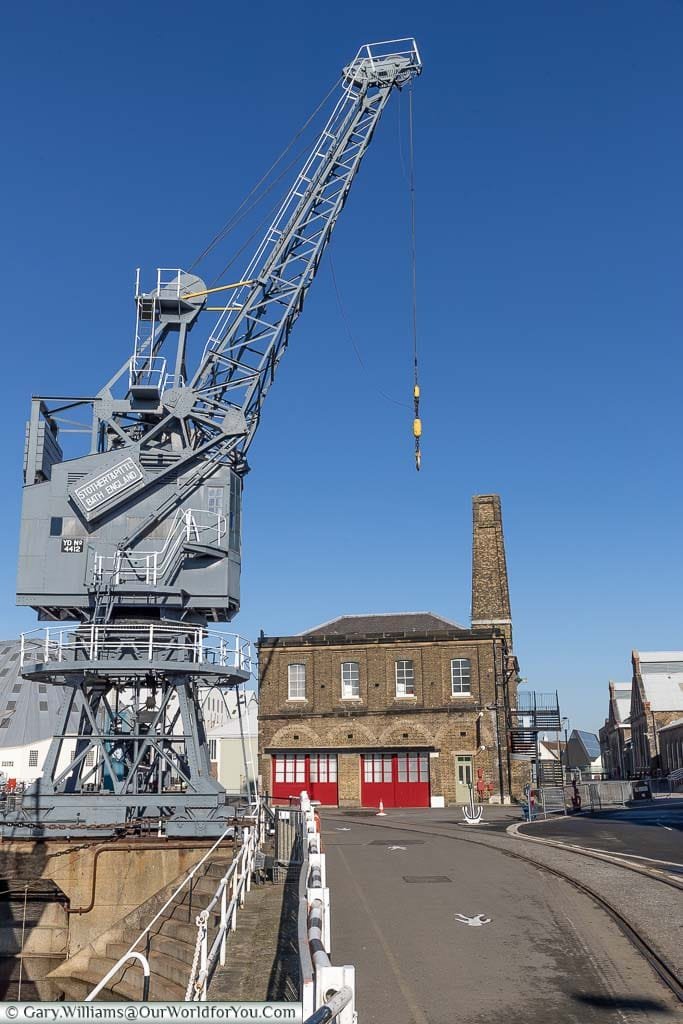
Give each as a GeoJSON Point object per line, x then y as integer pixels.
{"type": "Point", "coordinates": [212, 750]}
{"type": "Point", "coordinates": [33, 758]}
{"type": "Point", "coordinates": [296, 682]}
{"type": "Point", "coordinates": [322, 768]}
{"type": "Point", "coordinates": [413, 767]}
{"type": "Point", "coordinates": [461, 677]}
{"type": "Point", "coordinates": [214, 499]}
{"type": "Point", "coordinates": [405, 679]}
{"type": "Point", "coordinates": [350, 680]}
{"type": "Point", "coordinates": [377, 768]}
{"type": "Point", "coordinates": [290, 768]}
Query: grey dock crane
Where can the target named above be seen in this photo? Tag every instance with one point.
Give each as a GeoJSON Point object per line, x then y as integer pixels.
{"type": "Point", "coordinates": [137, 540]}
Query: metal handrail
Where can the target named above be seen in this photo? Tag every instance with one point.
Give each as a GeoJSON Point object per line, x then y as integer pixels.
{"type": "Point", "coordinates": [132, 952]}
{"type": "Point", "coordinates": [152, 567]}
{"type": "Point", "coordinates": [155, 641]}
{"type": "Point", "coordinates": [331, 987]}
{"type": "Point", "coordinates": [130, 955]}
{"type": "Point", "coordinates": [238, 877]}
{"type": "Point", "coordinates": [331, 1009]}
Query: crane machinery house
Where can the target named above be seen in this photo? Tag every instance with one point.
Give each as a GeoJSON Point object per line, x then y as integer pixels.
{"type": "Point", "coordinates": [409, 709]}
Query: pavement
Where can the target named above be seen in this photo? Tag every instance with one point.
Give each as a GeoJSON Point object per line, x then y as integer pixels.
{"type": "Point", "coordinates": [651, 832]}
{"type": "Point", "coordinates": [443, 931]}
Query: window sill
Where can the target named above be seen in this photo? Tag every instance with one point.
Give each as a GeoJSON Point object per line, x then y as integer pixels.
{"type": "Point", "coordinates": [352, 700]}
{"type": "Point", "coordinates": [461, 696]}
{"type": "Point", "coordinates": [405, 696]}
{"type": "Point", "coordinates": [297, 700]}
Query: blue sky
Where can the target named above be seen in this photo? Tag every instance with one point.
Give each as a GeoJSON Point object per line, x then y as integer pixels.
{"type": "Point", "coordinates": [549, 163]}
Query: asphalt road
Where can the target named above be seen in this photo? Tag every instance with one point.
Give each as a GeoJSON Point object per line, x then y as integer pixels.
{"type": "Point", "coordinates": [649, 833]}
{"type": "Point", "coordinates": [545, 953]}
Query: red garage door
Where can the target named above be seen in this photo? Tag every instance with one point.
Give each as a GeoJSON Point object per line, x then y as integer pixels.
{"type": "Point", "coordinates": [397, 779]}
{"type": "Point", "coordinates": [316, 773]}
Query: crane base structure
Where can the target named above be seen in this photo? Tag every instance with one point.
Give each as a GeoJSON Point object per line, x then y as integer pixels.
{"type": "Point", "coordinates": [130, 550]}
{"type": "Point", "coordinates": [130, 752]}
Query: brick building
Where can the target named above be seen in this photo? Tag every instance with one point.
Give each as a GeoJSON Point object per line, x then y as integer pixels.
{"type": "Point", "coordinates": [406, 708]}
{"type": "Point", "coordinates": [671, 746]}
{"type": "Point", "coordinates": [656, 701]}
{"type": "Point", "coordinates": [616, 732]}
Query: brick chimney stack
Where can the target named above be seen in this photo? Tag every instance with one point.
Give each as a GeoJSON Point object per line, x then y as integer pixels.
{"type": "Point", "coordinates": [490, 591]}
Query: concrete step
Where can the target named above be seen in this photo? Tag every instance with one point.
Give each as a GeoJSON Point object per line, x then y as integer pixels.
{"type": "Point", "coordinates": [160, 944]}
{"type": "Point", "coordinates": [161, 966]}
{"type": "Point", "coordinates": [129, 988]}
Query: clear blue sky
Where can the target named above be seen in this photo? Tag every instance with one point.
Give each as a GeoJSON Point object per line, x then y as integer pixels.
{"type": "Point", "coordinates": [549, 177]}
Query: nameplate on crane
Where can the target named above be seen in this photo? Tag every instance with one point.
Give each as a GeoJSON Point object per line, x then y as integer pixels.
{"type": "Point", "coordinates": [73, 545]}
{"type": "Point", "coordinates": [99, 490]}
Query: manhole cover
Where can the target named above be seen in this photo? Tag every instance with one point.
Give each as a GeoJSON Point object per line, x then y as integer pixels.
{"type": "Point", "coordinates": [426, 878]}
{"type": "Point", "coordinates": [394, 842]}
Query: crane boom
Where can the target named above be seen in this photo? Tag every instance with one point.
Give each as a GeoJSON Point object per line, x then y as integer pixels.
{"type": "Point", "coordinates": [246, 345]}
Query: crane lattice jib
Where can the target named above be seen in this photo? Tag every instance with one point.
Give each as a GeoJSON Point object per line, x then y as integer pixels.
{"type": "Point", "coordinates": [250, 337]}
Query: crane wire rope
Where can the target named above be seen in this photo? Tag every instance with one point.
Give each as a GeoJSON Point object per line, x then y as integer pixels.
{"type": "Point", "coordinates": [243, 209]}
{"type": "Point", "coordinates": [349, 332]}
{"type": "Point", "coordinates": [417, 422]}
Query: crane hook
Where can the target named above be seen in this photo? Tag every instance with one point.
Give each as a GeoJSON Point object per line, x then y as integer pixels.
{"type": "Point", "coordinates": [417, 427]}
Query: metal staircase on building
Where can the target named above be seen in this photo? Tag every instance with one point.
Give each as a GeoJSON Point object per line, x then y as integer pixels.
{"type": "Point", "coordinates": [533, 714]}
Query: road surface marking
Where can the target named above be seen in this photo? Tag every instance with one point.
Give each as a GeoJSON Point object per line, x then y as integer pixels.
{"type": "Point", "coordinates": [395, 847]}
{"type": "Point", "coordinates": [416, 1010]}
{"type": "Point", "coordinates": [474, 922]}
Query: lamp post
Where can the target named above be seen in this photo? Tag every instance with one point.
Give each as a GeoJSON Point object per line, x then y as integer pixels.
{"type": "Point", "coordinates": [565, 723]}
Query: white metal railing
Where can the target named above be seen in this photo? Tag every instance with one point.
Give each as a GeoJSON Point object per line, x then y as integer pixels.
{"type": "Point", "coordinates": [238, 876]}
{"type": "Point", "coordinates": [152, 372]}
{"type": "Point", "coordinates": [167, 642]}
{"type": "Point", "coordinates": [327, 992]}
{"type": "Point", "coordinates": [153, 567]}
{"type": "Point", "coordinates": [169, 280]}
{"type": "Point", "coordinates": [230, 893]}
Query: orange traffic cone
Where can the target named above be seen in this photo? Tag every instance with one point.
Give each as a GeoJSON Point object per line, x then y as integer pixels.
{"type": "Point", "coordinates": [380, 813]}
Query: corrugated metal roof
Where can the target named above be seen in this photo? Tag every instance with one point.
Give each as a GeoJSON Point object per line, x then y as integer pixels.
{"type": "Point", "coordinates": [672, 725]}
{"type": "Point", "coordinates": [662, 675]}
{"type": "Point", "coordinates": [28, 710]}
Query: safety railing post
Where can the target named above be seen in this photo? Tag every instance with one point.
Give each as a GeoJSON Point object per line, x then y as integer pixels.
{"type": "Point", "coordinates": [47, 645]}
{"type": "Point", "coordinates": [233, 900]}
{"type": "Point", "coordinates": [150, 648]}
{"type": "Point", "coordinates": [204, 961]}
{"type": "Point", "coordinates": [224, 923]}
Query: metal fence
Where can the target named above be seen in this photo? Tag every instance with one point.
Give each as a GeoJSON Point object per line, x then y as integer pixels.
{"type": "Point", "coordinates": [327, 992]}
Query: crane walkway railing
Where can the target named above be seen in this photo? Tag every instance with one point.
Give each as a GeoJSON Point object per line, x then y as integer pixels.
{"type": "Point", "coordinates": [327, 992]}
{"type": "Point", "coordinates": [175, 645]}
{"type": "Point", "coordinates": [189, 525]}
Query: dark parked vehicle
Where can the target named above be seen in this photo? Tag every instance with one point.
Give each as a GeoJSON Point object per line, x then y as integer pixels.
{"type": "Point", "coordinates": [641, 790]}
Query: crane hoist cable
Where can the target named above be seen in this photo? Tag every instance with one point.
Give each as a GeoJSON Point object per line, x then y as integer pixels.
{"type": "Point", "coordinates": [245, 206]}
{"type": "Point", "coordinates": [417, 422]}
